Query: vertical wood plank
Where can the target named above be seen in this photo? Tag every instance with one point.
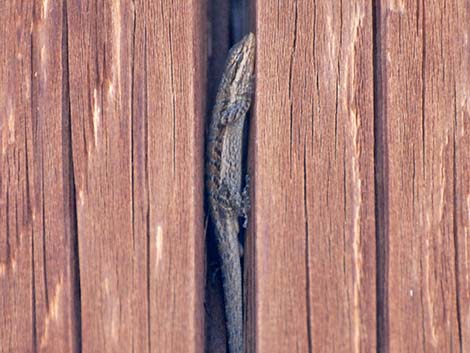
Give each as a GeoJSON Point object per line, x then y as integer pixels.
{"type": "Point", "coordinates": [100, 80]}
{"type": "Point", "coordinates": [137, 113]}
{"type": "Point", "coordinates": [313, 228]}
{"type": "Point", "coordinates": [459, 59]}
{"type": "Point", "coordinates": [422, 107]}
{"type": "Point", "coordinates": [16, 255]}
{"type": "Point", "coordinates": [174, 145]}
{"type": "Point", "coordinates": [37, 233]}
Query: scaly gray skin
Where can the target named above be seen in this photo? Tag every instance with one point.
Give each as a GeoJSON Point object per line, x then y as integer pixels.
{"type": "Point", "coordinates": [224, 177]}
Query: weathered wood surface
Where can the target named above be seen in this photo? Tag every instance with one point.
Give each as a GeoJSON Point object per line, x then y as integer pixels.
{"type": "Point", "coordinates": [458, 64]}
{"type": "Point", "coordinates": [38, 302]}
{"type": "Point", "coordinates": [101, 224]}
{"type": "Point", "coordinates": [137, 131]}
{"type": "Point", "coordinates": [314, 248]}
{"type": "Point", "coordinates": [359, 157]}
{"type": "Point", "coordinates": [314, 180]}
{"type": "Point", "coordinates": [423, 111]}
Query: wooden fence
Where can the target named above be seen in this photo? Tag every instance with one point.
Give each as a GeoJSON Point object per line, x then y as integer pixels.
{"type": "Point", "coordinates": [359, 154]}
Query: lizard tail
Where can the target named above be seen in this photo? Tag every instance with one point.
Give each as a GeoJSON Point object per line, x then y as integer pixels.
{"type": "Point", "coordinates": [232, 284]}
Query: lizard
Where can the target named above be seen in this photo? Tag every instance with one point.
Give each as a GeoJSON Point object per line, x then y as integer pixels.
{"type": "Point", "coordinates": [227, 201]}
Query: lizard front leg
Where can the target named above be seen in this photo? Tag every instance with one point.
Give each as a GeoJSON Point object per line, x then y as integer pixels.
{"type": "Point", "coordinates": [236, 109]}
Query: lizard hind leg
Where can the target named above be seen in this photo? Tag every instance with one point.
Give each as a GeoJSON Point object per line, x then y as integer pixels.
{"type": "Point", "coordinates": [246, 201]}
{"type": "Point", "coordinates": [234, 201]}
{"type": "Point", "coordinates": [230, 200]}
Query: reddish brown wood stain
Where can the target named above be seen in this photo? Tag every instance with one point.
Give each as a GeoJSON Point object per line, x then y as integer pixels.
{"type": "Point", "coordinates": [314, 218]}
{"type": "Point", "coordinates": [101, 242]}
{"type": "Point", "coordinates": [423, 53]}
{"type": "Point", "coordinates": [359, 156]}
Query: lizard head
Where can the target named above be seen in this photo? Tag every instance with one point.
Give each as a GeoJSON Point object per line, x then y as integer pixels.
{"type": "Point", "coordinates": [240, 66]}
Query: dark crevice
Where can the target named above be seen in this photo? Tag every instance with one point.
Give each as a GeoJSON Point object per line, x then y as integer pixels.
{"type": "Point", "coordinates": [338, 77]}
{"type": "Point", "coordinates": [417, 17]}
{"type": "Point", "coordinates": [95, 50]}
{"type": "Point", "coordinates": [226, 25]}
{"type": "Point", "coordinates": [40, 126]}
{"type": "Point", "coordinates": [380, 181]}
{"type": "Point", "coordinates": [18, 175]}
{"type": "Point", "coordinates": [29, 217]}
{"type": "Point", "coordinates": [172, 321]}
{"type": "Point", "coordinates": [413, 191]}
{"type": "Point", "coordinates": [290, 134]}
{"type": "Point", "coordinates": [307, 257]}
{"type": "Point", "coordinates": [146, 139]}
{"type": "Point", "coordinates": [43, 211]}
{"type": "Point", "coordinates": [132, 147]}
{"type": "Point", "coordinates": [149, 307]}
{"type": "Point", "coordinates": [423, 90]}
{"type": "Point", "coordinates": [345, 187]}
{"type": "Point", "coordinates": [455, 216]}
{"type": "Point", "coordinates": [336, 111]}
{"type": "Point", "coordinates": [33, 297]}
{"type": "Point", "coordinates": [291, 64]}
{"type": "Point", "coordinates": [7, 224]}
{"type": "Point", "coordinates": [315, 69]}
{"type": "Point", "coordinates": [28, 195]}
{"type": "Point", "coordinates": [132, 126]}
{"type": "Point", "coordinates": [76, 264]}
{"type": "Point", "coordinates": [220, 37]}
{"type": "Point", "coordinates": [33, 114]}
{"type": "Point", "coordinates": [314, 39]}
{"type": "Point", "coordinates": [68, 163]}
{"type": "Point", "coordinates": [441, 42]}
{"type": "Point", "coordinates": [345, 239]}
{"type": "Point", "coordinates": [39, 150]}
{"type": "Point", "coordinates": [238, 19]}
{"type": "Point", "coordinates": [423, 130]}
{"type": "Point", "coordinates": [278, 12]}
{"type": "Point", "coordinates": [423, 310]}
{"type": "Point", "coordinates": [173, 92]}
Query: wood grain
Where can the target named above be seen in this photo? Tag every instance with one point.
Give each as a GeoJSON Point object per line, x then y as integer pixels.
{"type": "Point", "coordinates": [313, 212]}
{"type": "Point", "coordinates": [359, 158]}
{"type": "Point", "coordinates": [423, 110]}
{"type": "Point", "coordinates": [137, 113]}
{"type": "Point", "coordinates": [459, 60]}
{"type": "Point", "coordinates": [38, 308]}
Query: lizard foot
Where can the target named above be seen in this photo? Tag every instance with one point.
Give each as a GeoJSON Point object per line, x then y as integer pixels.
{"type": "Point", "coordinates": [246, 202]}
